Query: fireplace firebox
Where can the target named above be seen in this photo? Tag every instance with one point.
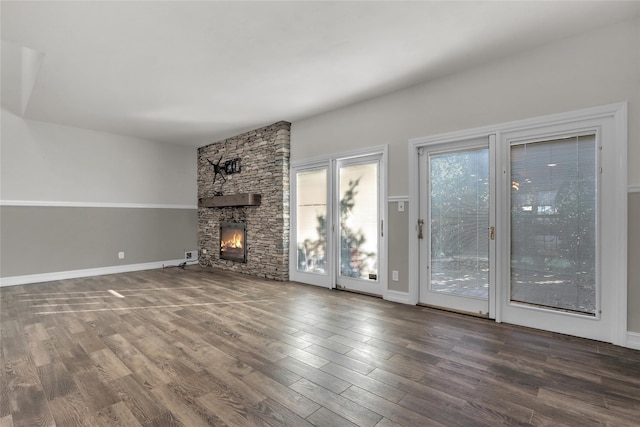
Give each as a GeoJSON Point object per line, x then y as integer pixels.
{"type": "Point", "coordinates": [233, 236]}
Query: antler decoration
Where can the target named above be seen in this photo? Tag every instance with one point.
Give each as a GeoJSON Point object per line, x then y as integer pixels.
{"type": "Point", "coordinates": [217, 170]}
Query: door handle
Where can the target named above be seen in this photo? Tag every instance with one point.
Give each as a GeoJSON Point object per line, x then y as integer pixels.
{"type": "Point", "coordinates": [420, 224]}
{"type": "Point", "coordinates": [492, 233]}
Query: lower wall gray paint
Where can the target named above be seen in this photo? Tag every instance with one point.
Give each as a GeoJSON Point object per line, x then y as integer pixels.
{"type": "Point", "coordinates": [398, 247]}
{"type": "Point", "coordinates": [37, 239]}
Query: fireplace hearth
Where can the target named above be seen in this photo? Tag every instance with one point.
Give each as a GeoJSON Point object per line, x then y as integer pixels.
{"type": "Point", "coordinates": [233, 236]}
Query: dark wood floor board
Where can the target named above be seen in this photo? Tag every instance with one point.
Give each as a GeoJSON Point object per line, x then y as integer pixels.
{"type": "Point", "coordinates": [29, 407]}
{"type": "Point", "coordinates": [271, 321]}
{"type": "Point", "coordinates": [365, 331]}
{"type": "Point", "coordinates": [13, 340]}
{"type": "Point", "coordinates": [94, 390]}
{"type": "Point", "coordinates": [276, 414]}
{"type": "Point", "coordinates": [486, 413]}
{"type": "Point", "coordinates": [296, 402]}
{"type": "Point", "coordinates": [313, 374]}
{"type": "Point", "coordinates": [273, 333]}
{"type": "Point", "coordinates": [138, 364]}
{"type": "Point", "coordinates": [261, 352]}
{"type": "Point", "coordinates": [138, 398]}
{"type": "Point", "coordinates": [483, 361]}
{"type": "Point", "coordinates": [89, 341]}
{"type": "Point", "coordinates": [354, 343]}
{"type": "Point", "coordinates": [399, 366]}
{"type": "Point", "coordinates": [232, 412]}
{"type": "Point", "coordinates": [499, 406]}
{"type": "Point", "coordinates": [188, 400]}
{"type": "Point", "coordinates": [592, 409]}
{"type": "Point", "coordinates": [341, 359]}
{"type": "Point", "coordinates": [177, 405]}
{"type": "Point", "coordinates": [108, 365]}
{"type": "Point", "coordinates": [117, 415]}
{"type": "Point", "coordinates": [386, 408]}
{"type": "Point", "coordinates": [56, 380]}
{"type": "Point", "coordinates": [332, 317]}
{"type": "Point", "coordinates": [385, 422]}
{"type": "Point", "coordinates": [5, 395]}
{"type": "Point", "coordinates": [452, 378]}
{"type": "Point", "coordinates": [232, 343]}
{"type": "Point", "coordinates": [348, 377]}
{"type": "Point", "coordinates": [201, 354]}
{"type": "Point", "coordinates": [227, 383]}
{"type": "Point", "coordinates": [419, 389]}
{"type": "Point", "coordinates": [165, 419]}
{"type": "Point", "coordinates": [72, 410]}
{"type": "Point", "coordinates": [327, 343]}
{"type": "Point", "coordinates": [69, 351]}
{"type": "Point", "coordinates": [339, 404]}
{"type": "Point", "coordinates": [620, 370]}
{"type": "Point", "coordinates": [440, 412]}
{"type": "Point", "coordinates": [420, 355]}
{"type": "Point", "coordinates": [332, 330]}
{"type": "Point", "coordinates": [299, 354]}
{"type": "Point", "coordinates": [326, 418]}
{"type": "Point", "coordinates": [36, 331]}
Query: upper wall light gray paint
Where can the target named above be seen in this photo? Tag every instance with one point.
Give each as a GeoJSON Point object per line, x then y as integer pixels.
{"type": "Point", "coordinates": [47, 162]}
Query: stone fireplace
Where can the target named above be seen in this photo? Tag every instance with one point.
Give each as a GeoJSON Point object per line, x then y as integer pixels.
{"type": "Point", "coordinates": [253, 196]}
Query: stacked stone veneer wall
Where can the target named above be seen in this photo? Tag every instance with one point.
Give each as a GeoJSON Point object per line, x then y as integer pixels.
{"type": "Point", "coordinates": [264, 155]}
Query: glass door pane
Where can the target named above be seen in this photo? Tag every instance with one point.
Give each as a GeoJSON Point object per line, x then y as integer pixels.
{"type": "Point", "coordinates": [553, 224]}
{"type": "Point", "coordinates": [459, 213]}
{"type": "Point", "coordinates": [311, 221]}
{"type": "Point", "coordinates": [456, 212]}
{"type": "Point", "coordinates": [358, 216]}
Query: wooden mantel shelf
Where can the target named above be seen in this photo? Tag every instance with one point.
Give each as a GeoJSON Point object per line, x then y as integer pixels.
{"type": "Point", "coordinates": [241, 199]}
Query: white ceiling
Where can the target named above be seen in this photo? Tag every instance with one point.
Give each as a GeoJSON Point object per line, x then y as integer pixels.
{"type": "Point", "coordinates": [196, 72]}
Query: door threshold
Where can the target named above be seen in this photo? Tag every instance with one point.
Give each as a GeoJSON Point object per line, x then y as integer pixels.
{"type": "Point", "coordinates": [453, 310]}
{"type": "Point", "coordinates": [353, 291]}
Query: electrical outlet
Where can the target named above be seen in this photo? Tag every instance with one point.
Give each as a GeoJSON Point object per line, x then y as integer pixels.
{"type": "Point", "coordinates": [120, 255]}
{"type": "Point", "coordinates": [394, 275]}
{"type": "Point", "coordinates": [190, 255]}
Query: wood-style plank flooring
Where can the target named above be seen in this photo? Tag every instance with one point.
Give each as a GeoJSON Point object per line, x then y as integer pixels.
{"type": "Point", "coordinates": [200, 347]}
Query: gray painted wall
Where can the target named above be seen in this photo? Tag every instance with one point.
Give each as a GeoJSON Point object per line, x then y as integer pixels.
{"type": "Point", "coordinates": [46, 164]}
{"type": "Point", "coordinates": [39, 239]}
{"type": "Point", "coordinates": [398, 247]}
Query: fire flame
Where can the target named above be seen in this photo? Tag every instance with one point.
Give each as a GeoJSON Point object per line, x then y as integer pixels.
{"type": "Point", "coordinates": [234, 242]}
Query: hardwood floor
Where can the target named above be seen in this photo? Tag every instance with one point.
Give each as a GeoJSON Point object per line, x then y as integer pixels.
{"type": "Point", "coordinates": [204, 347]}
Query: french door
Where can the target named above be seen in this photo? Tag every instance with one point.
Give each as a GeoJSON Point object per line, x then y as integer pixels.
{"type": "Point", "coordinates": [553, 275]}
{"type": "Point", "coordinates": [528, 225]}
{"type": "Point", "coordinates": [337, 229]}
{"type": "Point", "coordinates": [456, 226]}
{"type": "Point", "coordinates": [359, 224]}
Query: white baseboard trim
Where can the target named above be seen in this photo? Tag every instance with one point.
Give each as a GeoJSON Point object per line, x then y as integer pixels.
{"type": "Point", "coordinates": [74, 274]}
{"type": "Point", "coordinates": [633, 340]}
{"type": "Point", "coordinates": [397, 296]}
